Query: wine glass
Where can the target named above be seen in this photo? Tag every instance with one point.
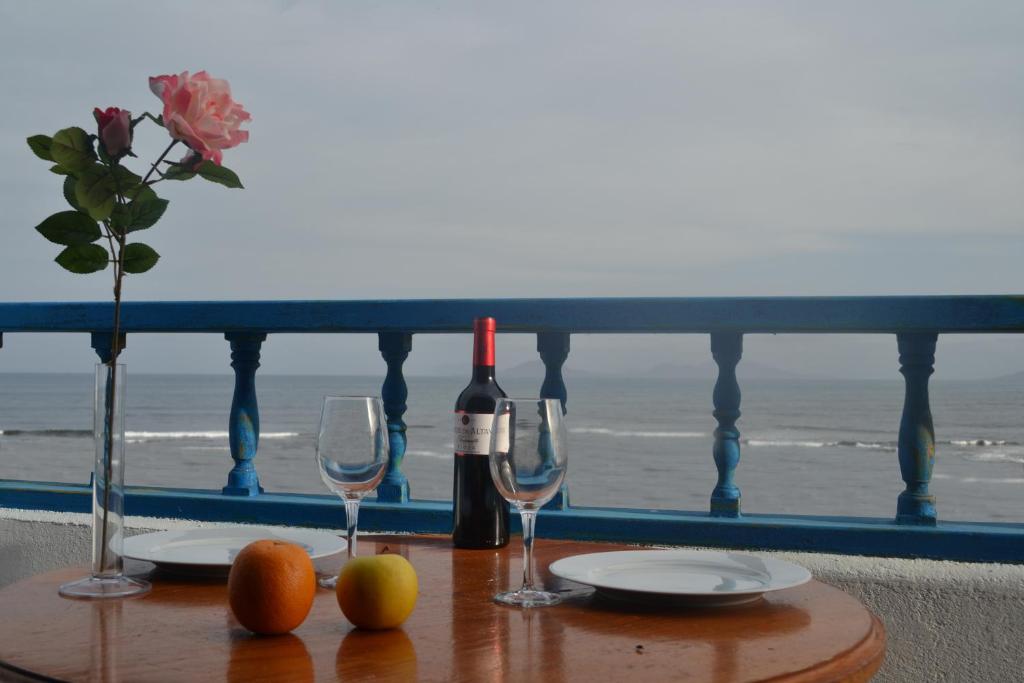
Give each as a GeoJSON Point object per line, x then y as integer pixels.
{"type": "Point", "coordinates": [528, 457]}
{"type": "Point", "coordinates": [351, 454]}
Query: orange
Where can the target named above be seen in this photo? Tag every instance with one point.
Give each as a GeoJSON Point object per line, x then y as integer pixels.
{"type": "Point", "coordinates": [271, 586]}
{"type": "Point", "coordinates": [377, 591]}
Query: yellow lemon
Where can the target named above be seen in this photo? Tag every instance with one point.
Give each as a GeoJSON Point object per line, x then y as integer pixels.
{"type": "Point", "coordinates": [378, 591]}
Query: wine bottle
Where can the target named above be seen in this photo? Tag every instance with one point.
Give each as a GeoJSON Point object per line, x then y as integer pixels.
{"type": "Point", "coordinates": [481, 514]}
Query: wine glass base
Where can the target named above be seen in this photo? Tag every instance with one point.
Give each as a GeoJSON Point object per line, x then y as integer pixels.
{"type": "Point", "coordinates": [99, 588]}
{"type": "Point", "coordinates": [330, 582]}
{"type": "Point", "coordinates": [527, 598]}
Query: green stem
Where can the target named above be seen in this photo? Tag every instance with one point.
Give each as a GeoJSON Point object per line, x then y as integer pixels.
{"type": "Point", "coordinates": [147, 115]}
{"type": "Point", "coordinates": [152, 168]}
{"type": "Point", "coordinates": [115, 351]}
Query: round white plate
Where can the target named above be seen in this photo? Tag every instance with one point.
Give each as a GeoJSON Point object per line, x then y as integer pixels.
{"type": "Point", "coordinates": [697, 577]}
{"type": "Point", "coordinates": [213, 550]}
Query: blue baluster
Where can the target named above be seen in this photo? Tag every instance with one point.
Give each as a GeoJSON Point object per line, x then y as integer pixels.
{"type": "Point", "coordinates": [726, 348]}
{"type": "Point", "coordinates": [553, 348]}
{"type": "Point", "coordinates": [916, 446]}
{"type": "Point", "coordinates": [395, 348]}
{"type": "Point", "coordinates": [101, 343]}
{"type": "Point", "coordinates": [244, 421]}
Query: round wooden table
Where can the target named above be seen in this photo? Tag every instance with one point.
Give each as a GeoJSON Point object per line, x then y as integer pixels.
{"type": "Point", "coordinates": [184, 631]}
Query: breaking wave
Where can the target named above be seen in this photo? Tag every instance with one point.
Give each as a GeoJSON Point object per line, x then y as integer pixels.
{"type": "Point", "coordinates": [420, 453]}
{"type": "Point", "coordinates": [139, 435]}
{"type": "Point", "coordinates": [796, 443]}
{"type": "Point", "coordinates": [638, 434]}
{"type": "Point", "coordinates": [201, 435]}
{"type": "Point", "coordinates": [998, 456]}
{"type": "Point", "coordinates": [46, 432]}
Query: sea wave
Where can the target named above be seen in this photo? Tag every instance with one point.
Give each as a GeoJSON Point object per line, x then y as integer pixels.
{"type": "Point", "coordinates": [998, 456]}
{"type": "Point", "coordinates": [201, 435]}
{"type": "Point", "coordinates": [420, 453]}
{"type": "Point", "coordinates": [139, 435]}
{"type": "Point", "coordinates": [979, 480]}
{"type": "Point", "coordinates": [826, 428]}
{"type": "Point", "coordinates": [888, 446]}
{"type": "Point", "coordinates": [46, 432]}
{"type": "Point", "coordinates": [797, 443]}
{"type": "Point", "coordinates": [638, 434]}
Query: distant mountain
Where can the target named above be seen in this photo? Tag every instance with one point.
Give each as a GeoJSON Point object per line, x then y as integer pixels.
{"type": "Point", "coordinates": [704, 371]}
{"type": "Point", "coordinates": [535, 368]}
{"type": "Point", "coordinates": [745, 370]}
{"type": "Point", "coordinates": [1013, 378]}
{"type": "Point", "coordinates": [528, 369]}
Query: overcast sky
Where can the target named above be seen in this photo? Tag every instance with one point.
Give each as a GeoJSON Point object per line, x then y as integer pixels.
{"type": "Point", "coordinates": [408, 150]}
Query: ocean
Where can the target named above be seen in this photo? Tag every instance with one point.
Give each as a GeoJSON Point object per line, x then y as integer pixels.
{"type": "Point", "coordinates": [808, 446]}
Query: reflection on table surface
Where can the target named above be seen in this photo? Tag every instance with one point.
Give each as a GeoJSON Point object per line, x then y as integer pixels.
{"type": "Point", "coordinates": [184, 630]}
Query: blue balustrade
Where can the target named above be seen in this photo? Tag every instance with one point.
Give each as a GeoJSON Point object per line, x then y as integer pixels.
{"type": "Point", "coordinates": [916, 445]}
{"type": "Point", "coordinates": [395, 348]}
{"type": "Point", "coordinates": [726, 349]}
{"type": "Point", "coordinates": [553, 348]}
{"type": "Point", "coordinates": [916, 321]}
{"type": "Point", "coordinates": [102, 344]}
{"type": "Point", "coordinates": [244, 419]}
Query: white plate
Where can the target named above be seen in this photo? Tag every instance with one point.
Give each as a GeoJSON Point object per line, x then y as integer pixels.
{"type": "Point", "coordinates": [697, 577]}
{"type": "Point", "coordinates": [212, 551]}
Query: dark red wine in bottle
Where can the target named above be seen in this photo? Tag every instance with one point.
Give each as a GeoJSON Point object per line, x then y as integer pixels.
{"type": "Point", "coordinates": [481, 514]}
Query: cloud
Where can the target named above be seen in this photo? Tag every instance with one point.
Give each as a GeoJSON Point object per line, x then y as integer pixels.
{"type": "Point", "coordinates": [405, 149]}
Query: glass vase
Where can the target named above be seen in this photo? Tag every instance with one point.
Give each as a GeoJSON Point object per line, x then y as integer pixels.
{"type": "Point", "coordinates": [107, 579]}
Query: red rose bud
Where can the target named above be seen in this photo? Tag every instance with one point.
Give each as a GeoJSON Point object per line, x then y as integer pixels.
{"type": "Point", "coordinates": [115, 130]}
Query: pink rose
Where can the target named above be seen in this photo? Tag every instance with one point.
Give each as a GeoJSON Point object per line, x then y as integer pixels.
{"type": "Point", "coordinates": [199, 111]}
{"type": "Point", "coordinates": [115, 128]}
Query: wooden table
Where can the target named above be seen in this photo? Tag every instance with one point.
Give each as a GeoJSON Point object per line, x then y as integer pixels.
{"type": "Point", "coordinates": [184, 631]}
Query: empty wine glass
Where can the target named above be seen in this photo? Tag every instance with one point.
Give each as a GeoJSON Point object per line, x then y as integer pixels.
{"type": "Point", "coordinates": [351, 454]}
{"type": "Point", "coordinates": [528, 458]}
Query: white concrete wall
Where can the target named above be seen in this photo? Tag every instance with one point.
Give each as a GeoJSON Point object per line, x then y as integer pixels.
{"type": "Point", "coordinates": [946, 621]}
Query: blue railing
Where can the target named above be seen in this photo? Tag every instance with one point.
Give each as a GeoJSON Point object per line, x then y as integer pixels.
{"type": "Point", "coordinates": [913, 531]}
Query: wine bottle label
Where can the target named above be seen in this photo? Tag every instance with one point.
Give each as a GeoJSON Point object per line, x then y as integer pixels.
{"type": "Point", "coordinates": [473, 433]}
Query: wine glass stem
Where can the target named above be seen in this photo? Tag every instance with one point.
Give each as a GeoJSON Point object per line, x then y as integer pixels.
{"type": "Point", "coordinates": [351, 520]}
{"type": "Point", "coordinates": [528, 517]}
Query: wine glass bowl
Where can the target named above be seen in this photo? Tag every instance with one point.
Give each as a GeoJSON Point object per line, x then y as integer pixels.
{"type": "Point", "coordinates": [352, 451]}
{"type": "Point", "coordinates": [351, 480]}
{"type": "Point", "coordinates": [528, 456]}
{"type": "Point", "coordinates": [528, 460]}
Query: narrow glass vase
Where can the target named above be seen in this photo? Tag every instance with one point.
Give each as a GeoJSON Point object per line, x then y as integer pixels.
{"type": "Point", "coordinates": [107, 579]}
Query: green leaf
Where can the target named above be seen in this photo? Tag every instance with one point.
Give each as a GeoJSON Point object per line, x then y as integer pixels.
{"type": "Point", "coordinates": [70, 228]}
{"type": "Point", "coordinates": [59, 170]}
{"type": "Point", "coordinates": [72, 148]}
{"type": "Point", "coordinates": [144, 213]}
{"type": "Point", "coordinates": [218, 174]}
{"type": "Point", "coordinates": [125, 183]}
{"type": "Point", "coordinates": [139, 257]}
{"type": "Point", "coordinates": [178, 172]}
{"type": "Point", "coordinates": [69, 193]}
{"type": "Point", "coordinates": [95, 191]}
{"type": "Point", "coordinates": [140, 192]}
{"type": "Point", "coordinates": [125, 178]}
{"type": "Point", "coordinates": [40, 145]}
{"type": "Point", "coordinates": [139, 214]}
{"type": "Point", "coordinates": [83, 258]}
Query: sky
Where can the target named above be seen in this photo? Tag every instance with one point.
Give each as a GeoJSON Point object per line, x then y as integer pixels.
{"type": "Point", "coordinates": [530, 149]}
